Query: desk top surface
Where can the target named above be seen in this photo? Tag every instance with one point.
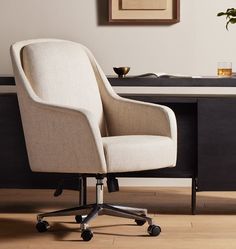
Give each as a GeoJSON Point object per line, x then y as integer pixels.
{"type": "Point", "coordinates": [185, 87]}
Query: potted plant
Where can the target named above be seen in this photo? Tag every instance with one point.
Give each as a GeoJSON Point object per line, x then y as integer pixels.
{"type": "Point", "coordinates": [230, 16]}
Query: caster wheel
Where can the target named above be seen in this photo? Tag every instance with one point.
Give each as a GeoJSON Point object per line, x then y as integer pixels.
{"type": "Point", "coordinates": [154, 230]}
{"type": "Point", "coordinates": [79, 219]}
{"type": "Point", "coordinates": [140, 222]}
{"type": "Point", "coordinates": [42, 226]}
{"type": "Point", "coordinates": [87, 235]}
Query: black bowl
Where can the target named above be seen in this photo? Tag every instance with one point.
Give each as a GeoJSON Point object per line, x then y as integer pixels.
{"type": "Point", "coordinates": [121, 71]}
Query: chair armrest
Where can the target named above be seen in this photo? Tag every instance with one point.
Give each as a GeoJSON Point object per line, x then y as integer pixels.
{"type": "Point", "coordinates": [127, 117]}
{"type": "Point", "coordinates": [67, 140]}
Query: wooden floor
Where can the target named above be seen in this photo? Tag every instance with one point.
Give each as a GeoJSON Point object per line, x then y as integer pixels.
{"type": "Point", "coordinates": [213, 227]}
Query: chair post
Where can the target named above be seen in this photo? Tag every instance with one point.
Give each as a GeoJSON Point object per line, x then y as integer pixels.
{"type": "Point", "coordinates": [99, 190]}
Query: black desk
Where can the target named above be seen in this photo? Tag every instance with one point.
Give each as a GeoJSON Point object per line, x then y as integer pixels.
{"type": "Point", "coordinates": [206, 135]}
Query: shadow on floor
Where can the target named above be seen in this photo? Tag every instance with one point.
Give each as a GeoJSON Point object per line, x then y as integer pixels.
{"type": "Point", "coordinates": [16, 230]}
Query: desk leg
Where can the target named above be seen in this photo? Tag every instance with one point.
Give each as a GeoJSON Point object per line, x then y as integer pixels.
{"type": "Point", "coordinates": [194, 195]}
{"type": "Point", "coordinates": [83, 191]}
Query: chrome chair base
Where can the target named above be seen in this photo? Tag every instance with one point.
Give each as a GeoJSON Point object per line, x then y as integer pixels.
{"type": "Point", "coordinates": [86, 213]}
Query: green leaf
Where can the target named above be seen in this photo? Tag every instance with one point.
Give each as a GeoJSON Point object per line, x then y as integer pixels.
{"type": "Point", "coordinates": [221, 14]}
{"type": "Point", "coordinates": [232, 20]}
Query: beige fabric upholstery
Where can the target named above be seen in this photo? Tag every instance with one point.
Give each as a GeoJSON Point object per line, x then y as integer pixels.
{"type": "Point", "coordinates": [69, 75]}
{"type": "Point", "coordinates": [126, 153]}
{"type": "Point", "coordinates": [130, 117]}
{"type": "Point", "coordinates": [73, 120]}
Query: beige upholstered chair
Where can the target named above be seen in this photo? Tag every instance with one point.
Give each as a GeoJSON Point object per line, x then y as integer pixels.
{"type": "Point", "coordinates": [74, 122]}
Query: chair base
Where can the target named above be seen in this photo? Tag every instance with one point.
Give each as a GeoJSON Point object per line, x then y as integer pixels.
{"type": "Point", "coordinates": [86, 213]}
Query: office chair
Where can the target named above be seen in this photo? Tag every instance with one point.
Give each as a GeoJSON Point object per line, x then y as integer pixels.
{"type": "Point", "coordinates": [74, 122]}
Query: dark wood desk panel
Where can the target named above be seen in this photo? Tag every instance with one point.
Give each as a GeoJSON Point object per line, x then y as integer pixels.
{"type": "Point", "coordinates": [217, 144]}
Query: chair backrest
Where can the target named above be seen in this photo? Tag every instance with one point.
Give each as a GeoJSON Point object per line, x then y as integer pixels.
{"type": "Point", "coordinates": [62, 92]}
{"type": "Point", "coordinates": [60, 73]}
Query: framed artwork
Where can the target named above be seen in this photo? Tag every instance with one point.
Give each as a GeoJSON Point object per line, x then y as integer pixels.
{"type": "Point", "coordinates": [144, 11]}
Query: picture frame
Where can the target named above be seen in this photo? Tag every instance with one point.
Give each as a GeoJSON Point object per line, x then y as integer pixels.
{"type": "Point", "coordinates": [144, 11]}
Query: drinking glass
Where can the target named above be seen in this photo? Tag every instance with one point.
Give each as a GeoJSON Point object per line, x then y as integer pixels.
{"type": "Point", "coordinates": [224, 69]}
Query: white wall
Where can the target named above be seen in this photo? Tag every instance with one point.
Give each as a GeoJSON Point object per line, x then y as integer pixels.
{"type": "Point", "coordinates": [192, 46]}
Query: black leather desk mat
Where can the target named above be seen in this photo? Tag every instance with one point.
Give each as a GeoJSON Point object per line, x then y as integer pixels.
{"type": "Point", "coordinates": [7, 80]}
{"type": "Point", "coordinates": [175, 82]}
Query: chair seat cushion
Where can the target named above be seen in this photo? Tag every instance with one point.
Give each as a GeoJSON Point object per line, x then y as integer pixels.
{"type": "Point", "coordinates": [138, 153]}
